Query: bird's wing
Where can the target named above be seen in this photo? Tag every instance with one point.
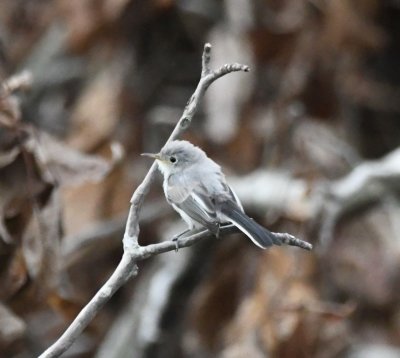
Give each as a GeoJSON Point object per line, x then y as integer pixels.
{"type": "Point", "coordinates": [196, 211]}
{"type": "Point", "coordinates": [234, 197]}
{"type": "Point", "coordinates": [175, 192]}
{"type": "Point", "coordinates": [195, 202]}
{"type": "Point", "coordinates": [257, 233]}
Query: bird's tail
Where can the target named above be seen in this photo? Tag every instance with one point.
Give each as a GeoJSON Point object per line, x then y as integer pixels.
{"type": "Point", "coordinates": [254, 231]}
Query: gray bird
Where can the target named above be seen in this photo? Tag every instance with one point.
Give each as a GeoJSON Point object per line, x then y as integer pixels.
{"type": "Point", "coordinates": [196, 188]}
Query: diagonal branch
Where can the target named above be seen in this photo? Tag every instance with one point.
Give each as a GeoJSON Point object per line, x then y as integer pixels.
{"type": "Point", "coordinates": [132, 251]}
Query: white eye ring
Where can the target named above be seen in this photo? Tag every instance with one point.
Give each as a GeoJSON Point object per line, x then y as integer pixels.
{"type": "Point", "coordinates": [173, 159]}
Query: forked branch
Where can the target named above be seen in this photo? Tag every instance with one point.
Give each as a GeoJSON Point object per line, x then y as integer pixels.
{"type": "Point", "coordinates": [133, 252]}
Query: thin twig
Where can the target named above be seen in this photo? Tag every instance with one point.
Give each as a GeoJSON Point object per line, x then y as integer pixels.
{"type": "Point", "coordinates": [290, 240]}
{"type": "Point", "coordinates": [132, 251]}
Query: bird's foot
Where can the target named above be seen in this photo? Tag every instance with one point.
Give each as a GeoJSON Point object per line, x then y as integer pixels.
{"type": "Point", "coordinates": [177, 237]}
{"type": "Point", "coordinates": [217, 231]}
{"type": "Point", "coordinates": [176, 240]}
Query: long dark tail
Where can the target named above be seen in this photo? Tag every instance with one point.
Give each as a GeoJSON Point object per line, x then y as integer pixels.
{"type": "Point", "coordinates": [254, 231]}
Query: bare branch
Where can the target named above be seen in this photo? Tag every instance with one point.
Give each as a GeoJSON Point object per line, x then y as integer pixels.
{"type": "Point", "coordinates": [132, 251]}
{"type": "Point", "coordinates": [124, 271]}
{"type": "Point", "coordinates": [205, 65]}
{"type": "Point", "coordinates": [155, 249]}
{"type": "Point", "coordinates": [290, 240]}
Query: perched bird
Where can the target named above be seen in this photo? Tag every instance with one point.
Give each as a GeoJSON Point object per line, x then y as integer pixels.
{"type": "Point", "coordinates": [197, 189]}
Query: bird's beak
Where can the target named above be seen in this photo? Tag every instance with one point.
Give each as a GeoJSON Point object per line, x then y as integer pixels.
{"type": "Point", "coordinates": [151, 155]}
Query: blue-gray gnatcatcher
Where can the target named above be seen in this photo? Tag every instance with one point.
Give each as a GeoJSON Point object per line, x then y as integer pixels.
{"type": "Point", "coordinates": [196, 188]}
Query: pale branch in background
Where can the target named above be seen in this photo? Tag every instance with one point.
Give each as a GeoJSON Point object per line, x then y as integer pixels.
{"type": "Point", "coordinates": [19, 82]}
{"type": "Point", "coordinates": [132, 251]}
{"type": "Point", "coordinates": [369, 182]}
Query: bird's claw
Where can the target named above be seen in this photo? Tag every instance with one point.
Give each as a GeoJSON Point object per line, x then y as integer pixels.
{"type": "Point", "coordinates": [216, 233]}
{"type": "Point", "coordinates": [176, 240]}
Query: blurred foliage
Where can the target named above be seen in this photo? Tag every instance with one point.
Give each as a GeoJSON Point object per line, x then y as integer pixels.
{"type": "Point", "coordinates": [107, 80]}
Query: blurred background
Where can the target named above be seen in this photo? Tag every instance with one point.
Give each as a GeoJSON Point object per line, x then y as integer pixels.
{"type": "Point", "coordinates": [308, 139]}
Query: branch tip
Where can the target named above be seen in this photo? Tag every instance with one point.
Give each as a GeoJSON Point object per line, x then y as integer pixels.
{"type": "Point", "coordinates": [207, 47]}
{"type": "Point", "coordinates": [205, 65]}
{"type": "Point", "coordinates": [307, 246]}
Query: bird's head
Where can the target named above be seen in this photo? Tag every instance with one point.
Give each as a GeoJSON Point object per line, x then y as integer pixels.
{"type": "Point", "coordinates": [177, 156]}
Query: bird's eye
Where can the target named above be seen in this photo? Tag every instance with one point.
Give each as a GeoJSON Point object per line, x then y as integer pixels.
{"type": "Point", "coordinates": [172, 159]}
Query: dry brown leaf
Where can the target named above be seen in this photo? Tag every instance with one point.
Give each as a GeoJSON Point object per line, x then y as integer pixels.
{"type": "Point", "coordinates": [8, 157]}
{"type": "Point", "coordinates": [20, 183]}
{"type": "Point", "coordinates": [63, 165]}
{"type": "Point", "coordinates": [96, 113]}
{"type": "Point", "coordinates": [41, 245]}
{"type": "Point", "coordinates": [346, 24]}
{"type": "Point", "coordinates": [362, 261]}
{"type": "Point", "coordinates": [11, 326]}
{"type": "Point", "coordinates": [86, 18]}
{"type": "Point", "coordinates": [67, 307]}
{"type": "Point", "coordinates": [14, 276]}
{"type": "Point", "coordinates": [280, 280]}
